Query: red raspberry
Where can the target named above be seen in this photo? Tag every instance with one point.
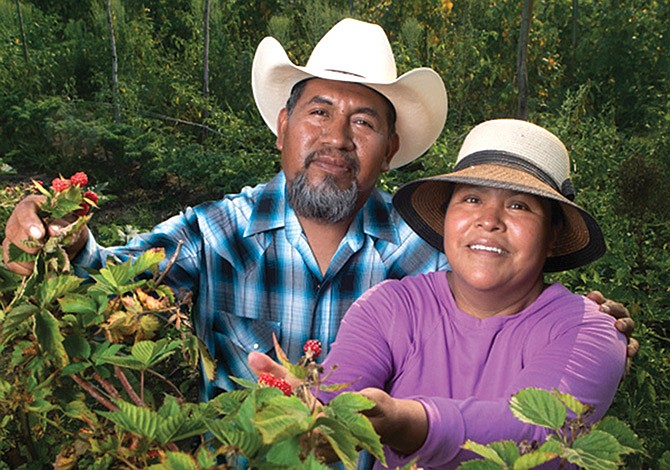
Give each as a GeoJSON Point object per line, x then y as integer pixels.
{"type": "Point", "coordinates": [312, 348]}
{"type": "Point", "coordinates": [270, 380]}
{"type": "Point", "coordinates": [60, 184]}
{"type": "Point", "coordinates": [83, 209]}
{"type": "Point", "coordinates": [91, 196]}
{"type": "Point", "coordinates": [79, 179]}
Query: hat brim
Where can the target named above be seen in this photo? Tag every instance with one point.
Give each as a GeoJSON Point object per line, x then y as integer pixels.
{"type": "Point", "coordinates": [419, 97]}
{"type": "Point", "coordinates": [423, 203]}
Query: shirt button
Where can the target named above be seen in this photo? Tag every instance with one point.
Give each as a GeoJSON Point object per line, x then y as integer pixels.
{"type": "Point", "coordinates": [256, 346]}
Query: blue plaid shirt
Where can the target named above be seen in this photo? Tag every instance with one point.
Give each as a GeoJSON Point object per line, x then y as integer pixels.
{"type": "Point", "coordinates": [252, 272]}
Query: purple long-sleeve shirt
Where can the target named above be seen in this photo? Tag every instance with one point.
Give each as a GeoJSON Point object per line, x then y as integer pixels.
{"type": "Point", "coordinates": [409, 338]}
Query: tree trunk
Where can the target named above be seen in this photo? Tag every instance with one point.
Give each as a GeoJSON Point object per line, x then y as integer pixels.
{"type": "Point", "coordinates": [115, 64]}
{"type": "Point", "coordinates": [205, 65]}
{"type": "Point", "coordinates": [522, 60]}
{"type": "Point", "coordinates": [23, 32]}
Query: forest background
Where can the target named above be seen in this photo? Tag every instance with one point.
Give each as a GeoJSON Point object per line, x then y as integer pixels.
{"type": "Point", "coordinates": [153, 100]}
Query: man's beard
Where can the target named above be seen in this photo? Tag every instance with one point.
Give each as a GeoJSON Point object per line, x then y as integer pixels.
{"type": "Point", "coordinates": [324, 201]}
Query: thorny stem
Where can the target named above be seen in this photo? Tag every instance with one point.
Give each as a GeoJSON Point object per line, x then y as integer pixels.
{"type": "Point", "coordinates": [167, 381]}
{"type": "Point", "coordinates": [27, 435]}
{"type": "Point", "coordinates": [127, 387]}
{"type": "Point", "coordinates": [94, 393]}
{"type": "Point", "coordinates": [109, 388]}
{"type": "Point", "coordinates": [173, 259]}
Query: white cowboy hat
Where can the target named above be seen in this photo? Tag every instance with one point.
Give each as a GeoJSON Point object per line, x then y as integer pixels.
{"type": "Point", "coordinates": [508, 154]}
{"type": "Point", "coordinates": [355, 51]}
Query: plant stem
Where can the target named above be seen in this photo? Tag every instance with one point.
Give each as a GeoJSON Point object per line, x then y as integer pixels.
{"type": "Point", "coordinates": [94, 393]}
{"type": "Point", "coordinates": [127, 387]}
{"type": "Point", "coordinates": [109, 388]}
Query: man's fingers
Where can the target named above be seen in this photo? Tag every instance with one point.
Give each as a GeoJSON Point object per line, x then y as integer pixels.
{"type": "Point", "coordinates": [262, 364]}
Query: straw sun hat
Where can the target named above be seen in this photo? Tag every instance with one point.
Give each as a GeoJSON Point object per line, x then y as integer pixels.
{"type": "Point", "coordinates": [508, 154]}
{"type": "Point", "coordinates": [359, 52]}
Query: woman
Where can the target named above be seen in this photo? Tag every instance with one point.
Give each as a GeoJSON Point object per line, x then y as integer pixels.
{"type": "Point", "coordinates": [441, 354]}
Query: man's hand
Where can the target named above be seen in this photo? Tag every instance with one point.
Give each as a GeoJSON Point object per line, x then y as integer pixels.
{"type": "Point", "coordinates": [401, 424]}
{"type": "Point", "coordinates": [263, 364]}
{"type": "Point", "coordinates": [624, 323]}
{"type": "Point", "coordinates": [24, 222]}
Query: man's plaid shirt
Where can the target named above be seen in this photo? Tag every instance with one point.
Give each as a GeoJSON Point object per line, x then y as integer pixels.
{"type": "Point", "coordinates": [252, 273]}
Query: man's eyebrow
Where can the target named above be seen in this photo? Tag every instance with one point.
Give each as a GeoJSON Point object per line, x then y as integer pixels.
{"type": "Point", "coordinates": [319, 99]}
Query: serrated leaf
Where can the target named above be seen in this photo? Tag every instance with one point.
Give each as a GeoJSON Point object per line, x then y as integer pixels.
{"type": "Point", "coordinates": [229, 402]}
{"type": "Point", "coordinates": [283, 418]}
{"type": "Point", "coordinates": [75, 368]}
{"type": "Point", "coordinates": [128, 362]}
{"type": "Point", "coordinates": [345, 408]}
{"type": "Point", "coordinates": [596, 450]}
{"type": "Point", "coordinates": [55, 287]}
{"type": "Point", "coordinates": [484, 451]}
{"type": "Point", "coordinates": [285, 453]}
{"type": "Point", "coordinates": [77, 346]}
{"type": "Point", "coordinates": [533, 460]}
{"type": "Point", "coordinates": [340, 439]}
{"type": "Point", "coordinates": [134, 419]}
{"type": "Point", "coordinates": [479, 465]}
{"type": "Point", "coordinates": [78, 303]}
{"type": "Point", "coordinates": [507, 450]}
{"type": "Point", "coordinates": [244, 382]}
{"type": "Point", "coordinates": [539, 407]}
{"type": "Point", "coordinates": [50, 338]}
{"type": "Point", "coordinates": [572, 403]}
{"type": "Point", "coordinates": [178, 461]}
{"type": "Point", "coordinates": [17, 255]}
{"type": "Point", "coordinates": [627, 438]}
{"type": "Point", "coordinates": [14, 318]}
{"type": "Point", "coordinates": [249, 442]}
{"type": "Point", "coordinates": [78, 410]}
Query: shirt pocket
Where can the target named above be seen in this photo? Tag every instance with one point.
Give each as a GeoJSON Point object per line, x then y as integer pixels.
{"type": "Point", "coordinates": [246, 334]}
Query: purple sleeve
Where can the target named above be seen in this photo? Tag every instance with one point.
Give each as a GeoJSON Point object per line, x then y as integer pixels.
{"type": "Point", "coordinates": [585, 359]}
{"type": "Point", "coordinates": [361, 354]}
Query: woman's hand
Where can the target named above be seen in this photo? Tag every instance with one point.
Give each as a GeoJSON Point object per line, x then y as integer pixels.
{"type": "Point", "coordinates": [401, 424]}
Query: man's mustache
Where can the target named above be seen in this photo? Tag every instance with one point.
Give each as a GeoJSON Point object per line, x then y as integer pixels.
{"type": "Point", "coordinates": [349, 157]}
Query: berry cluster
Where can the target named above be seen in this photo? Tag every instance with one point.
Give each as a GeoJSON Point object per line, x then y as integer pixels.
{"type": "Point", "coordinates": [312, 348]}
{"type": "Point", "coordinates": [79, 180]}
{"type": "Point", "coordinates": [270, 380]}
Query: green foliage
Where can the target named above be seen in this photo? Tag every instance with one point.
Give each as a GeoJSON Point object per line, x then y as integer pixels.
{"type": "Point", "coordinates": [600, 446]}
{"type": "Point", "coordinates": [597, 74]}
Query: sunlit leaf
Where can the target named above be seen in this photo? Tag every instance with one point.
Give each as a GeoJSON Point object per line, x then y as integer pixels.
{"type": "Point", "coordinates": [572, 403]}
{"type": "Point", "coordinates": [596, 450]}
{"type": "Point", "coordinates": [484, 451]}
{"type": "Point", "coordinates": [539, 407]}
{"type": "Point", "coordinates": [533, 460]}
{"type": "Point", "coordinates": [285, 417]}
{"type": "Point", "coordinates": [621, 432]}
{"type": "Point", "coordinates": [55, 287]}
{"type": "Point", "coordinates": [340, 439]}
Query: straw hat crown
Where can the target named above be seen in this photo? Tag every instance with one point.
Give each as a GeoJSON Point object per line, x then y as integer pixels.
{"type": "Point", "coordinates": [515, 155]}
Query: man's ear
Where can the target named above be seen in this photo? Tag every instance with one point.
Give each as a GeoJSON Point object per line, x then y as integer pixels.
{"type": "Point", "coordinates": [394, 145]}
{"type": "Point", "coordinates": [282, 121]}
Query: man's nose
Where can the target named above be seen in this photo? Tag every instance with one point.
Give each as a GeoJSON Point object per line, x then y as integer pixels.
{"type": "Point", "coordinates": [337, 133]}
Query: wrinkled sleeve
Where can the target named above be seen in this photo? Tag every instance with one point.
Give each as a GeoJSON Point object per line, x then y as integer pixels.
{"type": "Point", "coordinates": [180, 232]}
{"type": "Point", "coordinates": [585, 359]}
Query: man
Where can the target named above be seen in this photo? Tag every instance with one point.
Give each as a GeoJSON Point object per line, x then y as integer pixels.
{"type": "Point", "coordinates": [288, 257]}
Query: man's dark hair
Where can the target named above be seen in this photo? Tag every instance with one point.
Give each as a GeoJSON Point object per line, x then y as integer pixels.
{"type": "Point", "coordinates": [299, 88]}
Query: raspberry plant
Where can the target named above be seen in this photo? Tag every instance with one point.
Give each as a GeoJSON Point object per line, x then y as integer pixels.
{"type": "Point", "coordinates": [102, 372]}
{"type": "Point", "coordinates": [598, 446]}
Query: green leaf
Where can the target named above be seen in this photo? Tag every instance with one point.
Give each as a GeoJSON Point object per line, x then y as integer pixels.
{"type": "Point", "coordinates": [345, 408]}
{"type": "Point", "coordinates": [596, 450]}
{"type": "Point", "coordinates": [178, 461]}
{"type": "Point", "coordinates": [479, 465]}
{"type": "Point", "coordinates": [622, 432]}
{"type": "Point", "coordinates": [14, 319]}
{"type": "Point", "coordinates": [340, 439]}
{"type": "Point", "coordinates": [508, 451]}
{"type": "Point", "coordinates": [485, 451]}
{"type": "Point", "coordinates": [572, 403]}
{"type": "Point", "coordinates": [283, 418]}
{"type": "Point", "coordinates": [50, 338]}
{"type": "Point", "coordinates": [78, 410]}
{"type": "Point", "coordinates": [285, 453]}
{"type": "Point", "coordinates": [533, 460]}
{"type": "Point", "coordinates": [249, 442]}
{"type": "Point", "coordinates": [55, 287]}
{"type": "Point", "coordinates": [77, 346]}
{"type": "Point", "coordinates": [17, 255]}
{"type": "Point", "coordinates": [138, 420]}
{"type": "Point", "coordinates": [539, 407]}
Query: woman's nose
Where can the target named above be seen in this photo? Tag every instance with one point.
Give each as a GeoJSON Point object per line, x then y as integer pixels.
{"type": "Point", "coordinates": [490, 218]}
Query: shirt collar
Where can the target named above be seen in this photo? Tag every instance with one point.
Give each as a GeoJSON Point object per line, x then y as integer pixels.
{"type": "Point", "coordinates": [374, 219]}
